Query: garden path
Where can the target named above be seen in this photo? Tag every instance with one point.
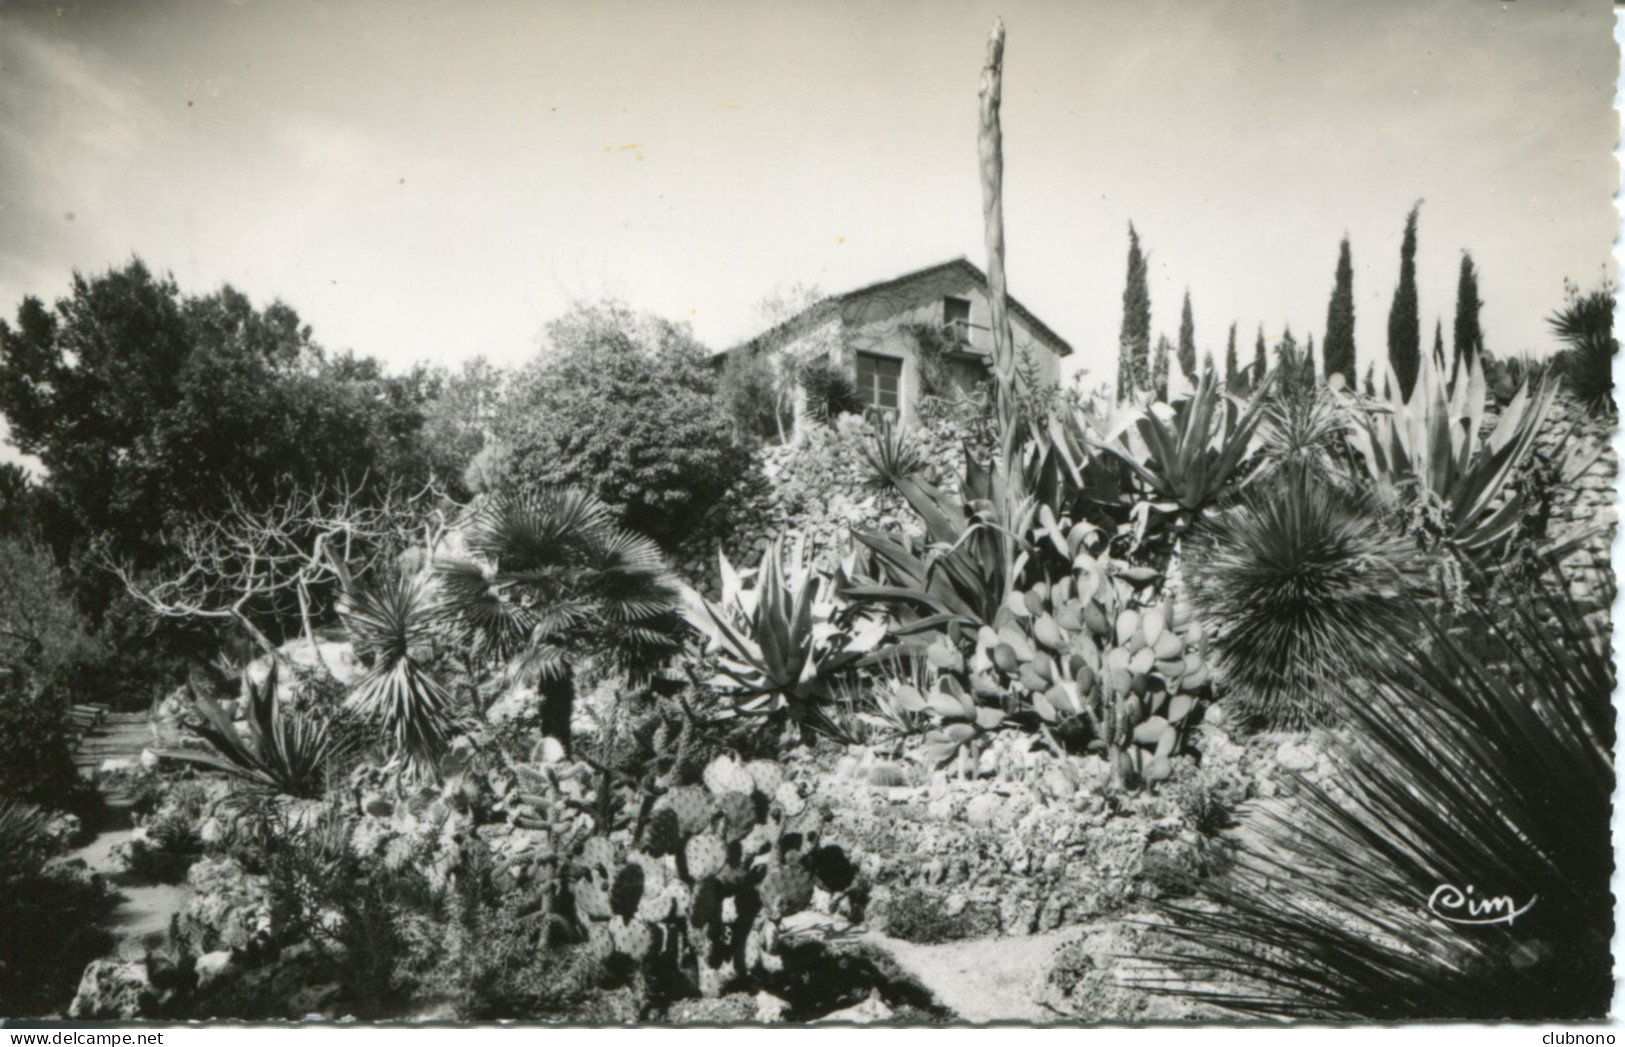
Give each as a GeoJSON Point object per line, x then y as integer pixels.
{"type": "Point", "coordinates": [987, 979]}
{"type": "Point", "coordinates": [142, 917]}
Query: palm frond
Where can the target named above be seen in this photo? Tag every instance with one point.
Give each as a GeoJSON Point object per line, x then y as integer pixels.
{"type": "Point", "coordinates": [1481, 775]}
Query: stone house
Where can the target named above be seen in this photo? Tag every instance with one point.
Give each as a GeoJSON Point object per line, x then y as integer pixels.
{"type": "Point", "coordinates": [926, 332]}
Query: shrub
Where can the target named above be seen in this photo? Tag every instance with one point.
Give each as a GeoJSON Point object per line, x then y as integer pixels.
{"type": "Point", "coordinates": [625, 406]}
{"type": "Point", "coordinates": [1297, 583]}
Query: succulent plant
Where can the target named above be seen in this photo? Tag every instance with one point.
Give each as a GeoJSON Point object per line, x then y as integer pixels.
{"type": "Point", "coordinates": [703, 885]}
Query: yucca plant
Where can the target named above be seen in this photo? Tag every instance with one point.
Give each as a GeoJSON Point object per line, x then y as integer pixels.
{"type": "Point", "coordinates": [1298, 583]}
{"type": "Point", "coordinates": [1585, 325]}
{"type": "Point", "coordinates": [1470, 781]}
{"type": "Point", "coordinates": [785, 643]}
{"type": "Point", "coordinates": [830, 392]}
{"type": "Point", "coordinates": [552, 580]}
{"type": "Point", "coordinates": [278, 751]}
{"type": "Point", "coordinates": [893, 455]}
{"type": "Point", "coordinates": [393, 627]}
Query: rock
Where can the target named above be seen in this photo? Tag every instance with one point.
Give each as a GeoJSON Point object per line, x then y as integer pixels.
{"type": "Point", "coordinates": [1293, 756]}
{"type": "Point", "coordinates": [117, 765]}
{"type": "Point", "coordinates": [983, 808]}
{"type": "Point", "coordinates": [871, 1010]}
{"type": "Point", "coordinates": [212, 967]}
{"type": "Point", "coordinates": [114, 990]}
{"type": "Point", "coordinates": [770, 1008]}
{"type": "Point", "coordinates": [733, 1009]}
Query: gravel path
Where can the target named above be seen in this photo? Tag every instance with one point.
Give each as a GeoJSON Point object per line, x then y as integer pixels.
{"type": "Point", "coordinates": [986, 980]}
{"type": "Point", "coordinates": [142, 918]}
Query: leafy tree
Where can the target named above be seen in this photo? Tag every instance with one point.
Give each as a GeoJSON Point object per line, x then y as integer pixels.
{"type": "Point", "coordinates": [1468, 337]}
{"type": "Point", "coordinates": [1231, 364]}
{"type": "Point", "coordinates": [1337, 351]}
{"type": "Point", "coordinates": [749, 390]}
{"type": "Point", "coordinates": [1187, 340]}
{"type": "Point", "coordinates": [460, 415]}
{"type": "Point", "coordinates": [150, 409]}
{"type": "Point", "coordinates": [624, 405]}
{"type": "Point", "coordinates": [1134, 341]}
{"type": "Point", "coordinates": [1404, 321]}
{"type": "Point", "coordinates": [18, 501]}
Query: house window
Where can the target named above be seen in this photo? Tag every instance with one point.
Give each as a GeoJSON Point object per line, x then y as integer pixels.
{"type": "Point", "coordinates": [879, 379]}
{"type": "Point", "coordinates": [956, 319]}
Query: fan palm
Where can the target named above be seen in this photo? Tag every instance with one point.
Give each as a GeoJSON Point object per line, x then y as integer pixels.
{"type": "Point", "coordinates": [1473, 779]}
{"type": "Point", "coordinates": [552, 579]}
{"type": "Point", "coordinates": [1586, 327]}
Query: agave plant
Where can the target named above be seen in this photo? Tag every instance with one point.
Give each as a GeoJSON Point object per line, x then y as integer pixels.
{"type": "Point", "coordinates": [551, 580]}
{"type": "Point", "coordinates": [1462, 868]}
{"type": "Point", "coordinates": [783, 643]}
{"type": "Point", "coordinates": [1586, 327]}
{"type": "Point", "coordinates": [393, 628]}
{"type": "Point", "coordinates": [1186, 454]}
{"type": "Point", "coordinates": [1428, 454]}
{"type": "Point", "coordinates": [1298, 582]}
{"type": "Point", "coordinates": [279, 750]}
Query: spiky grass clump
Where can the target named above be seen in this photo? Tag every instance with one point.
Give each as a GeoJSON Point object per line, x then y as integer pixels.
{"type": "Point", "coordinates": [1585, 325]}
{"type": "Point", "coordinates": [1488, 777]}
{"type": "Point", "coordinates": [831, 392]}
{"type": "Point", "coordinates": [1297, 581]}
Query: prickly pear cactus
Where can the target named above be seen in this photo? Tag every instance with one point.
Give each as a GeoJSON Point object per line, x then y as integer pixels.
{"type": "Point", "coordinates": [704, 881]}
{"type": "Point", "coordinates": [1098, 659]}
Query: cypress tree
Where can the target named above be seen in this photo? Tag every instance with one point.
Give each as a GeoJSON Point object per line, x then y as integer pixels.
{"type": "Point", "coordinates": [1159, 374]}
{"type": "Point", "coordinates": [1438, 343]}
{"type": "Point", "coordinates": [1134, 340]}
{"type": "Point", "coordinates": [1337, 351]}
{"type": "Point", "coordinates": [1207, 363]}
{"type": "Point", "coordinates": [1468, 336]}
{"type": "Point", "coordinates": [1187, 340]}
{"type": "Point", "coordinates": [1309, 360]}
{"type": "Point", "coordinates": [1404, 322]}
{"type": "Point", "coordinates": [1231, 364]}
{"type": "Point", "coordinates": [1260, 363]}
{"type": "Point", "coordinates": [1370, 380]}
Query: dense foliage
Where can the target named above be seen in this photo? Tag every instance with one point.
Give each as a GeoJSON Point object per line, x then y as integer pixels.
{"type": "Point", "coordinates": [623, 405]}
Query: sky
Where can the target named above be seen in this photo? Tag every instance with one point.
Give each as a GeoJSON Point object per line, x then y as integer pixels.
{"type": "Point", "coordinates": [434, 180]}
